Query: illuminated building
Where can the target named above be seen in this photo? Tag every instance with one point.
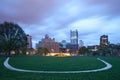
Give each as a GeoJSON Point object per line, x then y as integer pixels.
{"type": "Point", "coordinates": [73, 45]}
{"type": "Point", "coordinates": [74, 37]}
{"type": "Point", "coordinates": [49, 43]}
{"type": "Point", "coordinates": [63, 45]}
{"type": "Point", "coordinates": [104, 40]}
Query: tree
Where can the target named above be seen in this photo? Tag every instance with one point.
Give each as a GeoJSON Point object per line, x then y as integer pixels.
{"type": "Point", "coordinates": [114, 49]}
{"type": "Point", "coordinates": [71, 52]}
{"type": "Point", "coordinates": [104, 49]}
{"type": "Point", "coordinates": [12, 38]}
{"type": "Point", "coordinates": [46, 51]}
{"type": "Point", "coordinates": [83, 50]}
{"type": "Point", "coordinates": [42, 51]}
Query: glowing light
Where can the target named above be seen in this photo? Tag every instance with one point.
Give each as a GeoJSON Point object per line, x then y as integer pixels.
{"type": "Point", "coordinates": [58, 54]}
{"type": "Point", "coordinates": [27, 53]}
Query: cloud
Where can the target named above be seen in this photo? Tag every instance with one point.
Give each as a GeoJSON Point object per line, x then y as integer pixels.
{"type": "Point", "coordinates": [92, 18]}
{"type": "Point", "coordinates": [88, 25]}
{"type": "Point", "coordinates": [111, 7]}
{"type": "Point", "coordinates": [27, 11]}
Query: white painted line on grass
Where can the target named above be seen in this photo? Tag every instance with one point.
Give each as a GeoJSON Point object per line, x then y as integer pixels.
{"type": "Point", "coordinates": [108, 66]}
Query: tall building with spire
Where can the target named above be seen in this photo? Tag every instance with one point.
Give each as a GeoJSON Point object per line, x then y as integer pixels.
{"type": "Point", "coordinates": [73, 45]}
{"type": "Point", "coordinates": [74, 37]}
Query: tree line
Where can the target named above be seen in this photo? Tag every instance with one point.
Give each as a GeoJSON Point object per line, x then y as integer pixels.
{"type": "Point", "coordinates": [102, 50]}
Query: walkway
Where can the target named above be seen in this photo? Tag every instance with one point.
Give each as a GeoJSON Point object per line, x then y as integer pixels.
{"type": "Point", "coordinates": [8, 66]}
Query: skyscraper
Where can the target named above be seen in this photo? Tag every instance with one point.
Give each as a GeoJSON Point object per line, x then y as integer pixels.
{"type": "Point", "coordinates": [29, 42]}
{"type": "Point", "coordinates": [74, 37]}
{"type": "Point", "coordinates": [73, 45]}
{"type": "Point", "coordinates": [104, 40]}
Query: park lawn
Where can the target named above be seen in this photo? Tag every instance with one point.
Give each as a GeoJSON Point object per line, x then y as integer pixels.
{"type": "Point", "coordinates": [56, 63]}
{"type": "Point", "coordinates": [32, 62]}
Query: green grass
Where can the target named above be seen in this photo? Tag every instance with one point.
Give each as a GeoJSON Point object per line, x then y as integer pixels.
{"type": "Point", "coordinates": [58, 64]}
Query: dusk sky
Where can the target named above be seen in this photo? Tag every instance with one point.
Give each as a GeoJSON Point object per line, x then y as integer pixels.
{"type": "Point", "coordinates": [92, 18]}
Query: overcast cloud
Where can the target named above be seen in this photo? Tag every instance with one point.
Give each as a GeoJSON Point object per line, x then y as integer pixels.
{"type": "Point", "coordinates": [92, 18]}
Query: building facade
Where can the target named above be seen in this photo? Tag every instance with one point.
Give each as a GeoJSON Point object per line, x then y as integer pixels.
{"type": "Point", "coordinates": [81, 43]}
{"type": "Point", "coordinates": [74, 37]}
{"type": "Point", "coordinates": [73, 45]}
{"type": "Point", "coordinates": [49, 43]}
{"type": "Point", "coordinates": [63, 46]}
{"type": "Point", "coordinates": [104, 40]}
{"type": "Point", "coordinates": [29, 42]}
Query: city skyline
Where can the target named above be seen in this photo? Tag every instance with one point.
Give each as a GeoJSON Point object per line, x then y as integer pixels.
{"type": "Point", "coordinates": [92, 18]}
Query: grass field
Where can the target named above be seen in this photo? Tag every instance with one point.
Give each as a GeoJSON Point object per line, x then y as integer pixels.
{"type": "Point", "coordinates": [59, 64]}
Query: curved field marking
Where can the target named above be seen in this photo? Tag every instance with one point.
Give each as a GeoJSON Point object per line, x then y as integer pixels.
{"type": "Point", "coordinates": [8, 66]}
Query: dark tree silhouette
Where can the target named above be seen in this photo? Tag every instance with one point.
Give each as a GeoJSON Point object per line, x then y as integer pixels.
{"type": "Point", "coordinates": [83, 50]}
{"type": "Point", "coordinates": [12, 37]}
{"type": "Point", "coordinates": [42, 51]}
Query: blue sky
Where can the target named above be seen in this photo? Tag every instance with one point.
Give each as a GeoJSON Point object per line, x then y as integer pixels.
{"type": "Point", "coordinates": [92, 18]}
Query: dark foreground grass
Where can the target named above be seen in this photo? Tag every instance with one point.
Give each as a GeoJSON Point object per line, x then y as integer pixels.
{"type": "Point", "coordinates": [81, 62]}
{"type": "Point", "coordinates": [56, 63]}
